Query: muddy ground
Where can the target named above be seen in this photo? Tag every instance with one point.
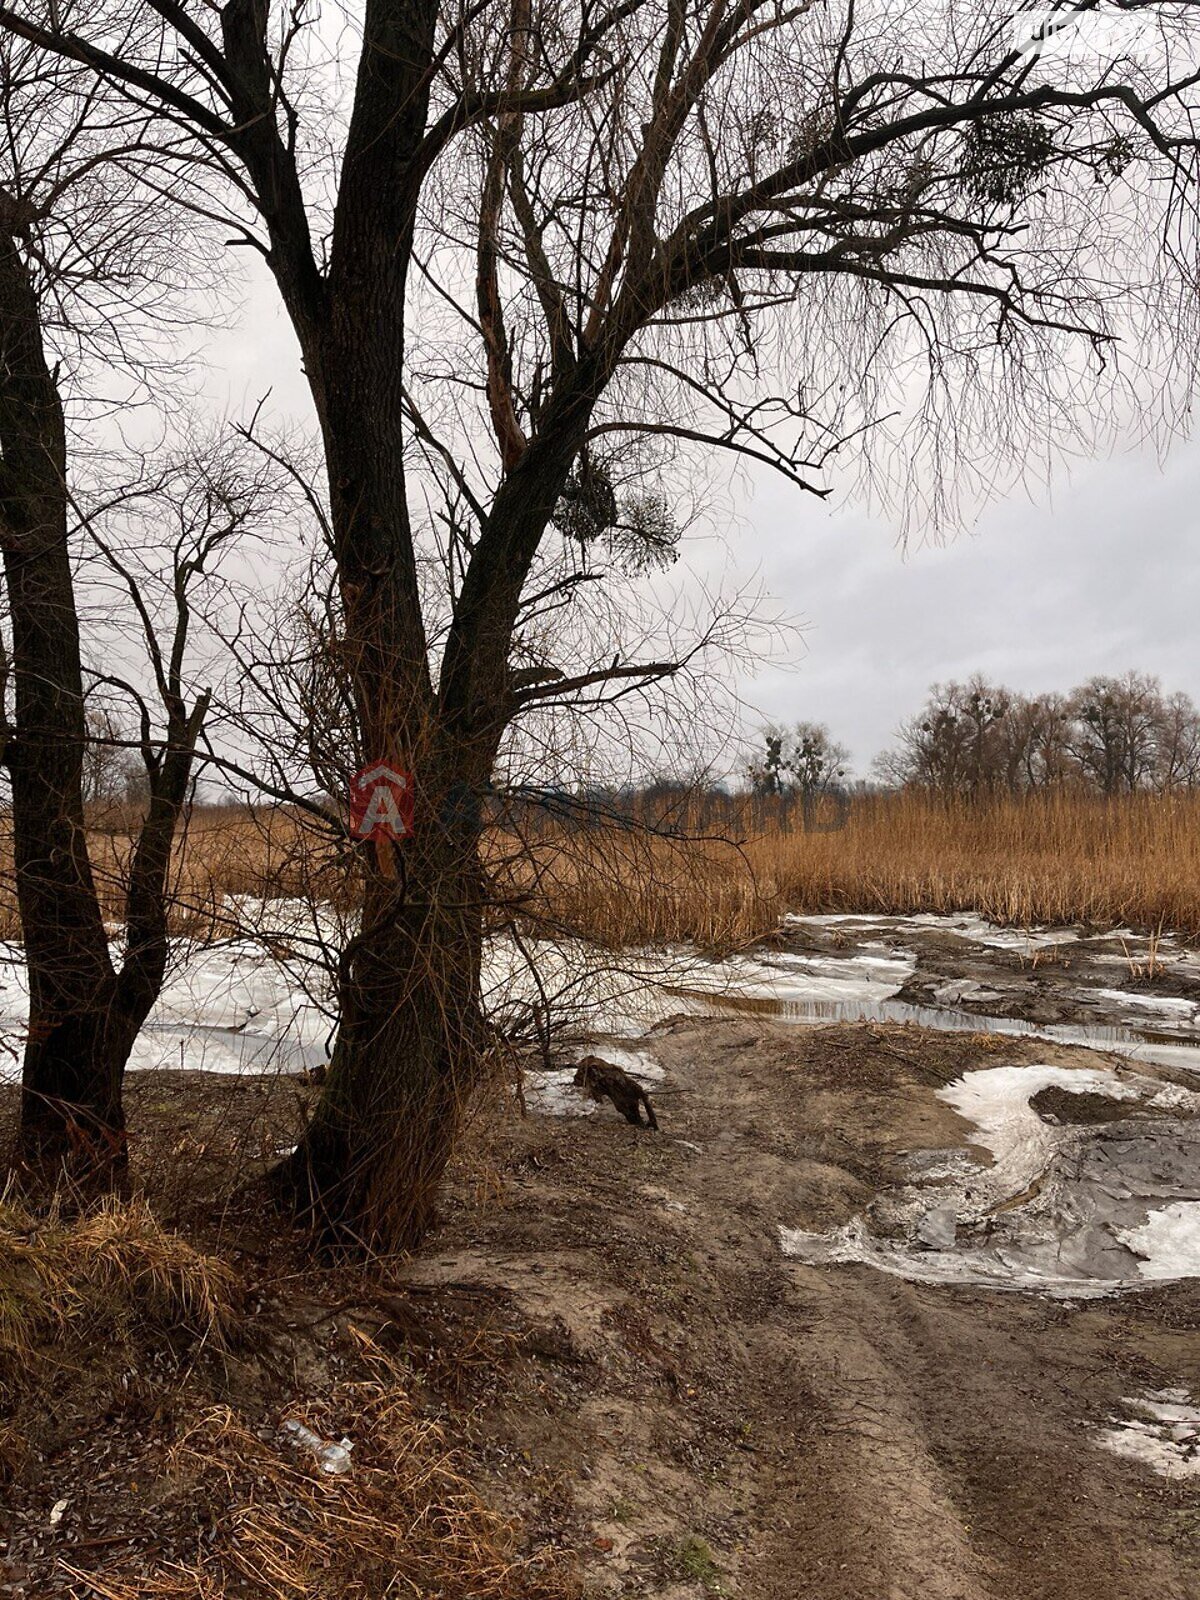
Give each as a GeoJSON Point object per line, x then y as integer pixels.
{"type": "Point", "coordinates": [827, 1431]}
{"type": "Point", "coordinates": [606, 1322]}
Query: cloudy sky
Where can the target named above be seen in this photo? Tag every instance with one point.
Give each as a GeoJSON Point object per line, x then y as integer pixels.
{"type": "Point", "coordinates": [1096, 575]}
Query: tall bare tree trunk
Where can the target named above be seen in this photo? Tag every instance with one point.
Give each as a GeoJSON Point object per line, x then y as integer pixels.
{"type": "Point", "coordinates": [406, 1061]}
{"type": "Point", "coordinates": [71, 1085]}
{"type": "Point", "coordinates": [84, 1014]}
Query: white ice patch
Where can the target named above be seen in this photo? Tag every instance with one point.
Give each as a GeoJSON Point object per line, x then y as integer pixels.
{"type": "Point", "coordinates": [1171, 1004]}
{"type": "Point", "coordinates": [1071, 1210]}
{"type": "Point", "coordinates": [783, 979]}
{"type": "Point", "coordinates": [965, 925]}
{"type": "Point", "coordinates": [1168, 1241]}
{"type": "Point", "coordinates": [553, 1094]}
{"type": "Point", "coordinates": [225, 1007]}
{"type": "Point", "coordinates": [965, 991]}
{"type": "Point", "coordinates": [1164, 1437]}
{"type": "Point", "coordinates": [854, 1244]}
{"type": "Point", "coordinates": [996, 1100]}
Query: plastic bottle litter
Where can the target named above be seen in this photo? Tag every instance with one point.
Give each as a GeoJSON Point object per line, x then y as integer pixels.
{"type": "Point", "coordinates": [332, 1455]}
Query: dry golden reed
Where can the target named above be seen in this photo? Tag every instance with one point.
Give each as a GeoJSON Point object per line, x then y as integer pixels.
{"type": "Point", "coordinates": [723, 878]}
{"type": "Point", "coordinates": [1047, 859]}
{"type": "Point", "coordinates": [99, 1277]}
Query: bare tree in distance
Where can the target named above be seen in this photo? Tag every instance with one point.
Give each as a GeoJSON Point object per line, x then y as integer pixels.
{"type": "Point", "coordinates": [623, 223]}
{"type": "Point", "coordinates": [112, 775]}
{"type": "Point", "coordinates": [804, 759]}
{"type": "Point", "coordinates": [1111, 736]}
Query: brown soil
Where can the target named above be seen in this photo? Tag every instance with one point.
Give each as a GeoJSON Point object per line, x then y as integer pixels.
{"type": "Point", "coordinates": [604, 1322]}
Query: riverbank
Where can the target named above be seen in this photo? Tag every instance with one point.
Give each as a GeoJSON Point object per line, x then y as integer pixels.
{"type": "Point", "coordinates": [630, 1383]}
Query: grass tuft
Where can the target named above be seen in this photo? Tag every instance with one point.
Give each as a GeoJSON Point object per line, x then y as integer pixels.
{"type": "Point", "coordinates": [110, 1273]}
{"type": "Point", "coordinates": [405, 1520]}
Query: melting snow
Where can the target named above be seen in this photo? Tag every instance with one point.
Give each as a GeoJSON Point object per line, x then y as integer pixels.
{"type": "Point", "coordinates": [1152, 1002]}
{"type": "Point", "coordinates": [1073, 1210]}
{"type": "Point", "coordinates": [1168, 1241]}
{"type": "Point", "coordinates": [1165, 1437]}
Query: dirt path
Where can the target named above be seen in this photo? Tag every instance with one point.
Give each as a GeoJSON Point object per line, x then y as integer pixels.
{"type": "Point", "coordinates": [709, 1416]}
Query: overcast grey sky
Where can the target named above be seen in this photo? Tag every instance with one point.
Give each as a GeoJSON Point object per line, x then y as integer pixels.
{"type": "Point", "coordinates": [1096, 575]}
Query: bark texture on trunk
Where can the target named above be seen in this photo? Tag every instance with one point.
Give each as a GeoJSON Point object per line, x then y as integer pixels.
{"type": "Point", "coordinates": [71, 1097]}
{"type": "Point", "coordinates": [407, 1059]}
{"type": "Point", "coordinates": [84, 1014]}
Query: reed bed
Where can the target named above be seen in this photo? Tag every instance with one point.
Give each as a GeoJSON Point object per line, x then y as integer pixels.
{"type": "Point", "coordinates": [1047, 859]}
{"type": "Point", "coordinates": [721, 873]}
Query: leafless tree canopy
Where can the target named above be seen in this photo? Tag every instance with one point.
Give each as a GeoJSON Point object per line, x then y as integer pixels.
{"type": "Point", "coordinates": [542, 259]}
{"type": "Point", "coordinates": [1111, 736]}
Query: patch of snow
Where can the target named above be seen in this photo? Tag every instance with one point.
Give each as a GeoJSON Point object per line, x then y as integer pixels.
{"type": "Point", "coordinates": [553, 1094]}
{"type": "Point", "coordinates": [996, 1100]}
{"type": "Point", "coordinates": [1168, 1241]}
{"type": "Point", "coordinates": [853, 1244]}
{"type": "Point", "coordinates": [1165, 1438]}
{"type": "Point", "coordinates": [965, 991]}
{"type": "Point", "coordinates": [225, 1007]}
{"type": "Point", "coordinates": [1074, 1211]}
{"type": "Point", "coordinates": [640, 1064]}
{"type": "Point", "coordinates": [1152, 1002]}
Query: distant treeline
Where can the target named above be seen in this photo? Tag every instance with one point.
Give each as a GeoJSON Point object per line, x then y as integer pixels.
{"type": "Point", "coordinates": [980, 740]}
{"type": "Point", "coordinates": [1110, 736]}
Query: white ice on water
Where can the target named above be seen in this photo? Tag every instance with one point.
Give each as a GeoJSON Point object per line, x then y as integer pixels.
{"type": "Point", "coordinates": [225, 1007]}
{"type": "Point", "coordinates": [1075, 1211]}
{"type": "Point", "coordinates": [966, 925]}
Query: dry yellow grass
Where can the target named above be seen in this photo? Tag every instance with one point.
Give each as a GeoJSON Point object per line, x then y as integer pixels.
{"type": "Point", "coordinates": [405, 1520]}
{"type": "Point", "coordinates": [100, 1277]}
{"type": "Point", "coordinates": [1061, 857]}
{"type": "Point", "coordinates": [1056, 858]}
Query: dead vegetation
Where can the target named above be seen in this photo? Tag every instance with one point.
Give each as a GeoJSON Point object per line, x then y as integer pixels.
{"type": "Point", "coordinates": [1054, 858]}
{"type": "Point", "coordinates": [721, 873]}
{"type": "Point", "coordinates": [407, 1520]}
{"type": "Point", "coordinates": [143, 1386]}
{"type": "Point", "coordinates": [112, 1274]}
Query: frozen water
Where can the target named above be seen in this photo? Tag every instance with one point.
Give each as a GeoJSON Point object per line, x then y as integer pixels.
{"type": "Point", "coordinates": [1074, 1210]}
{"type": "Point", "coordinates": [1165, 1436]}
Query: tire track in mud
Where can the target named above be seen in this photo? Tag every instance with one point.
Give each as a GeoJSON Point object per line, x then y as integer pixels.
{"type": "Point", "coordinates": [947, 1449]}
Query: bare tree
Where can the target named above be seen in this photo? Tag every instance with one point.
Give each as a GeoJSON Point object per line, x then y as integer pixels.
{"type": "Point", "coordinates": [1037, 742]}
{"type": "Point", "coordinates": [959, 744]}
{"type": "Point", "coordinates": [1115, 723]}
{"type": "Point", "coordinates": [78, 248]}
{"type": "Point", "coordinates": [629, 217]}
{"type": "Point", "coordinates": [1111, 735]}
{"type": "Point", "coordinates": [804, 759]}
{"type": "Point", "coordinates": [1177, 744]}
